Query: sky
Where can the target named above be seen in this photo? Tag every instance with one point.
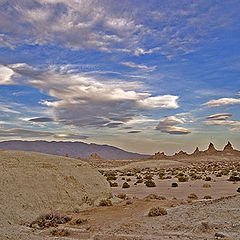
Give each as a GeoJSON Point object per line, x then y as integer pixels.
{"type": "Point", "coordinates": [145, 76]}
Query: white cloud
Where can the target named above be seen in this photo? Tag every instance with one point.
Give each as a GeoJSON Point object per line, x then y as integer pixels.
{"type": "Point", "coordinates": [167, 125]}
{"type": "Point", "coordinates": [84, 100]}
{"type": "Point", "coordinates": [139, 66]}
{"type": "Point", "coordinates": [108, 26]}
{"type": "Point", "coordinates": [165, 101]}
{"type": "Point", "coordinates": [6, 75]}
{"type": "Point", "coordinates": [222, 102]}
{"type": "Point", "coordinates": [219, 116]}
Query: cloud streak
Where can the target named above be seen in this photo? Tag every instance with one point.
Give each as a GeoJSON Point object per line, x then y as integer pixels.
{"type": "Point", "coordinates": [222, 102]}
{"type": "Point", "coordinates": [26, 133]}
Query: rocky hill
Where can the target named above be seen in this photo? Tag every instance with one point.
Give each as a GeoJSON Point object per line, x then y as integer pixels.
{"type": "Point", "coordinates": [72, 149]}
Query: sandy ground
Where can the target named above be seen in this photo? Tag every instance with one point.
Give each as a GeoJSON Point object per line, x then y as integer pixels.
{"type": "Point", "coordinates": [186, 219]}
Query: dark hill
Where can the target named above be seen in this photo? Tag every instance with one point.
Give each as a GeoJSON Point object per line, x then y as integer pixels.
{"type": "Point", "coordinates": [73, 149]}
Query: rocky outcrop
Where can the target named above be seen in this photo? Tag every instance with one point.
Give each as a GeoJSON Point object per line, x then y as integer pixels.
{"type": "Point", "coordinates": [181, 154]}
{"type": "Point", "coordinates": [158, 155]}
{"type": "Point", "coordinates": [211, 149]}
{"type": "Point", "coordinates": [32, 184]}
{"type": "Point", "coordinates": [228, 147]}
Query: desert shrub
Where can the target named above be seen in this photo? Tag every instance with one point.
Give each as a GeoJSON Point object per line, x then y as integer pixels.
{"type": "Point", "coordinates": [150, 183]}
{"type": "Point", "coordinates": [148, 176]}
{"type": "Point", "coordinates": [110, 178]}
{"type": "Point", "coordinates": [122, 195]}
{"type": "Point", "coordinates": [207, 197]}
{"type": "Point", "coordinates": [49, 220]}
{"type": "Point", "coordinates": [60, 232]}
{"type": "Point", "coordinates": [139, 181]}
{"type": "Point", "coordinates": [123, 178]}
{"type": "Point", "coordinates": [238, 190]}
{"type": "Point", "coordinates": [125, 185]}
{"type": "Point", "coordinates": [225, 172]}
{"type": "Point", "coordinates": [234, 178]}
{"type": "Point", "coordinates": [130, 174]}
{"type": "Point", "coordinates": [208, 178]}
{"type": "Point", "coordinates": [206, 185]}
{"type": "Point", "coordinates": [154, 197]}
{"type": "Point", "coordinates": [192, 196]}
{"type": "Point", "coordinates": [139, 177]}
{"type": "Point", "coordinates": [181, 174]}
{"type": "Point", "coordinates": [129, 179]}
{"type": "Point", "coordinates": [113, 184]}
{"type": "Point", "coordinates": [182, 178]}
{"type": "Point", "coordinates": [174, 184]}
{"type": "Point", "coordinates": [105, 202]}
{"type": "Point", "coordinates": [79, 221]}
{"type": "Point", "coordinates": [157, 211]}
{"type": "Point", "coordinates": [219, 174]}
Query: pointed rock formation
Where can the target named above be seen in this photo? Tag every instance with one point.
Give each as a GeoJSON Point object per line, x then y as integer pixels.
{"type": "Point", "coordinates": [196, 151]}
{"type": "Point", "coordinates": [211, 149]}
{"type": "Point", "coordinates": [228, 147]}
{"type": "Point", "coordinates": [94, 156]}
{"type": "Point", "coordinates": [181, 154]}
{"type": "Point", "coordinates": [158, 155]}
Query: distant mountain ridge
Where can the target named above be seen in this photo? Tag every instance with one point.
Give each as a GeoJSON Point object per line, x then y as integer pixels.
{"type": "Point", "coordinates": [72, 149]}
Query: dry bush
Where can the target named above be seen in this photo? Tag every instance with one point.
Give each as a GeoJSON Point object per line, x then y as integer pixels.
{"type": "Point", "coordinates": [113, 184]}
{"type": "Point", "coordinates": [157, 211]}
{"type": "Point", "coordinates": [192, 196]}
{"type": "Point", "coordinates": [60, 233]}
{"type": "Point", "coordinates": [105, 203]}
{"type": "Point", "coordinates": [122, 195]}
{"type": "Point", "coordinates": [49, 220]}
{"type": "Point", "coordinates": [182, 178]}
{"type": "Point", "coordinates": [207, 197]}
{"type": "Point", "coordinates": [174, 184]}
{"type": "Point", "coordinates": [154, 196]}
{"type": "Point", "coordinates": [125, 185]}
{"type": "Point", "coordinates": [206, 185]}
{"type": "Point", "coordinates": [79, 221]}
{"type": "Point", "coordinates": [150, 183]}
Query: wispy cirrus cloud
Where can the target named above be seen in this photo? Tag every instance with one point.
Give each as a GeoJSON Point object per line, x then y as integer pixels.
{"type": "Point", "coordinates": [168, 125]}
{"type": "Point", "coordinates": [139, 66]}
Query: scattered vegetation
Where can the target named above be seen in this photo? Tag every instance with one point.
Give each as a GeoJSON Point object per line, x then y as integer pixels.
{"type": "Point", "coordinates": [174, 184]}
{"type": "Point", "coordinates": [125, 185]}
{"type": "Point", "coordinates": [79, 221]}
{"type": "Point", "coordinates": [206, 185]}
{"type": "Point", "coordinates": [60, 233]}
{"type": "Point", "coordinates": [207, 197]}
{"type": "Point", "coordinates": [150, 183]}
{"type": "Point", "coordinates": [208, 179]}
{"type": "Point", "coordinates": [122, 196]}
{"type": "Point", "coordinates": [105, 203]}
{"type": "Point", "coordinates": [192, 196]}
{"type": "Point", "coordinates": [49, 220]}
{"type": "Point", "coordinates": [182, 178]}
{"type": "Point", "coordinates": [157, 211]}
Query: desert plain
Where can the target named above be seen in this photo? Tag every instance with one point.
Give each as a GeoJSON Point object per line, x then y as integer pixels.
{"type": "Point", "coordinates": [185, 196]}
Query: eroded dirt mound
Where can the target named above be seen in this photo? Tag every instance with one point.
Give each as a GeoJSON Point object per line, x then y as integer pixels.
{"type": "Point", "coordinates": [33, 183]}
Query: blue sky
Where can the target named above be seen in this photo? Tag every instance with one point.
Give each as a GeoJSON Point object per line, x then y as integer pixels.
{"type": "Point", "coordinates": [145, 76]}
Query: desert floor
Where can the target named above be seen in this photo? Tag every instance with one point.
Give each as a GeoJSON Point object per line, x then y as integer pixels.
{"type": "Point", "coordinates": [212, 212]}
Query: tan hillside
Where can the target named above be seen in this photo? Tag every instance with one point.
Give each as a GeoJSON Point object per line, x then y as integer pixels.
{"type": "Point", "coordinates": [33, 183]}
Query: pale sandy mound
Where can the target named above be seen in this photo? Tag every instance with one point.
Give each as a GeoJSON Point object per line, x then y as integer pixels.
{"type": "Point", "coordinates": [33, 183]}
